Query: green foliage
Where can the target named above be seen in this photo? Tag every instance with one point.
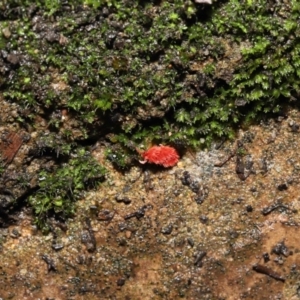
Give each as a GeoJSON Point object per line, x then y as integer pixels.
{"type": "Point", "coordinates": [156, 71]}
{"type": "Point", "coordinates": [104, 103]}
{"type": "Point", "coordinates": [52, 6]}
{"type": "Point", "coordinates": [58, 190]}
{"type": "Point", "coordinates": [269, 73]}
{"type": "Point", "coordinates": [120, 159]}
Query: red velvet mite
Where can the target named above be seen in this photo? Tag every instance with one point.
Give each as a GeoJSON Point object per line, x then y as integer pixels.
{"type": "Point", "coordinates": [160, 155]}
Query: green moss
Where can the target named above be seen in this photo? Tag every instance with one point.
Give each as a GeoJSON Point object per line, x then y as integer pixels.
{"type": "Point", "coordinates": [59, 189]}
{"type": "Point", "coordinates": [120, 158]}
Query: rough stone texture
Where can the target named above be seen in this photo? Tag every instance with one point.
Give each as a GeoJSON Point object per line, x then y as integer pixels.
{"type": "Point", "coordinates": [197, 231]}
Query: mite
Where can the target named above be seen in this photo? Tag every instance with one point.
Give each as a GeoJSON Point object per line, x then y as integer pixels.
{"type": "Point", "coordinates": [160, 155]}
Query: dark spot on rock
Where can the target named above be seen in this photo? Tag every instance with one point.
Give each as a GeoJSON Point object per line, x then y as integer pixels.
{"type": "Point", "coordinates": [50, 263]}
{"type": "Point", "coordinates": [123, 199]}
{"type": "Point", "coordinates": [198, 258]}
{"type": "Point", "coordinates": [190, 242]}
{"type": "Point", "coordinates": [57, 246]}
{"type": "Point", "coordinates": [249, 208]}
{"type": "Point", "coordinates": [167, 229]}
{"type": "Point", "coordinates": [120, 281]}
{"type": "Point", "coordinates": [105, 215]}
{"type": "Point", "coordinates": [186, 178]}
{"type": "Point", "coordinates": [15, 233]}
{"type": "Point", "coordinates": [199, 199]}
{"type": "Point", "coordinates": [81, 259]}
{"type": "Point", "coordinates": [194, 186]}
{"type": "Point", "coordinates": [233, 234]}
{"type": "Point", "coordinates": [204, 219]}
{"type": "Point", "coordinates": [121, 242]}
{"type": "Point", "coordinates": [140, 212]}
{"type": "Point", "coordinates": [122, 226]}
{"type": "Point", "coordinates": [266, 257]}
{"type": "Point", "coordinates": [88, 237]}
{"type": "Point", "coordinates": [282, 187]}
{"type": "Point", "coordinates": [294, 126]}
{"type": "Point", "coordinates": [281, 249]}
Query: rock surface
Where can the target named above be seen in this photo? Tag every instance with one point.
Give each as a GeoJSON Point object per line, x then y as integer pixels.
{"type": "Point", "coordinates": [239, 242]}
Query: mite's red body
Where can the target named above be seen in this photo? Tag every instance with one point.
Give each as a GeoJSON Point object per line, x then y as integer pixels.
{"type": "Point", "coordinates": [161, 155]}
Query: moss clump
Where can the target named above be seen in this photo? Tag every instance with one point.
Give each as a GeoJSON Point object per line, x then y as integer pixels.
{"type": "Point", "coordinates": [59, 189]}
{"type": "Point", "coordinates": [168, 71]}
{"type": "Point", "coordinates": [119, 158]}
{"type": "Point", "coordinates": [52, 145]}
{"type": "Point", "coordinates": [269, 74]}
